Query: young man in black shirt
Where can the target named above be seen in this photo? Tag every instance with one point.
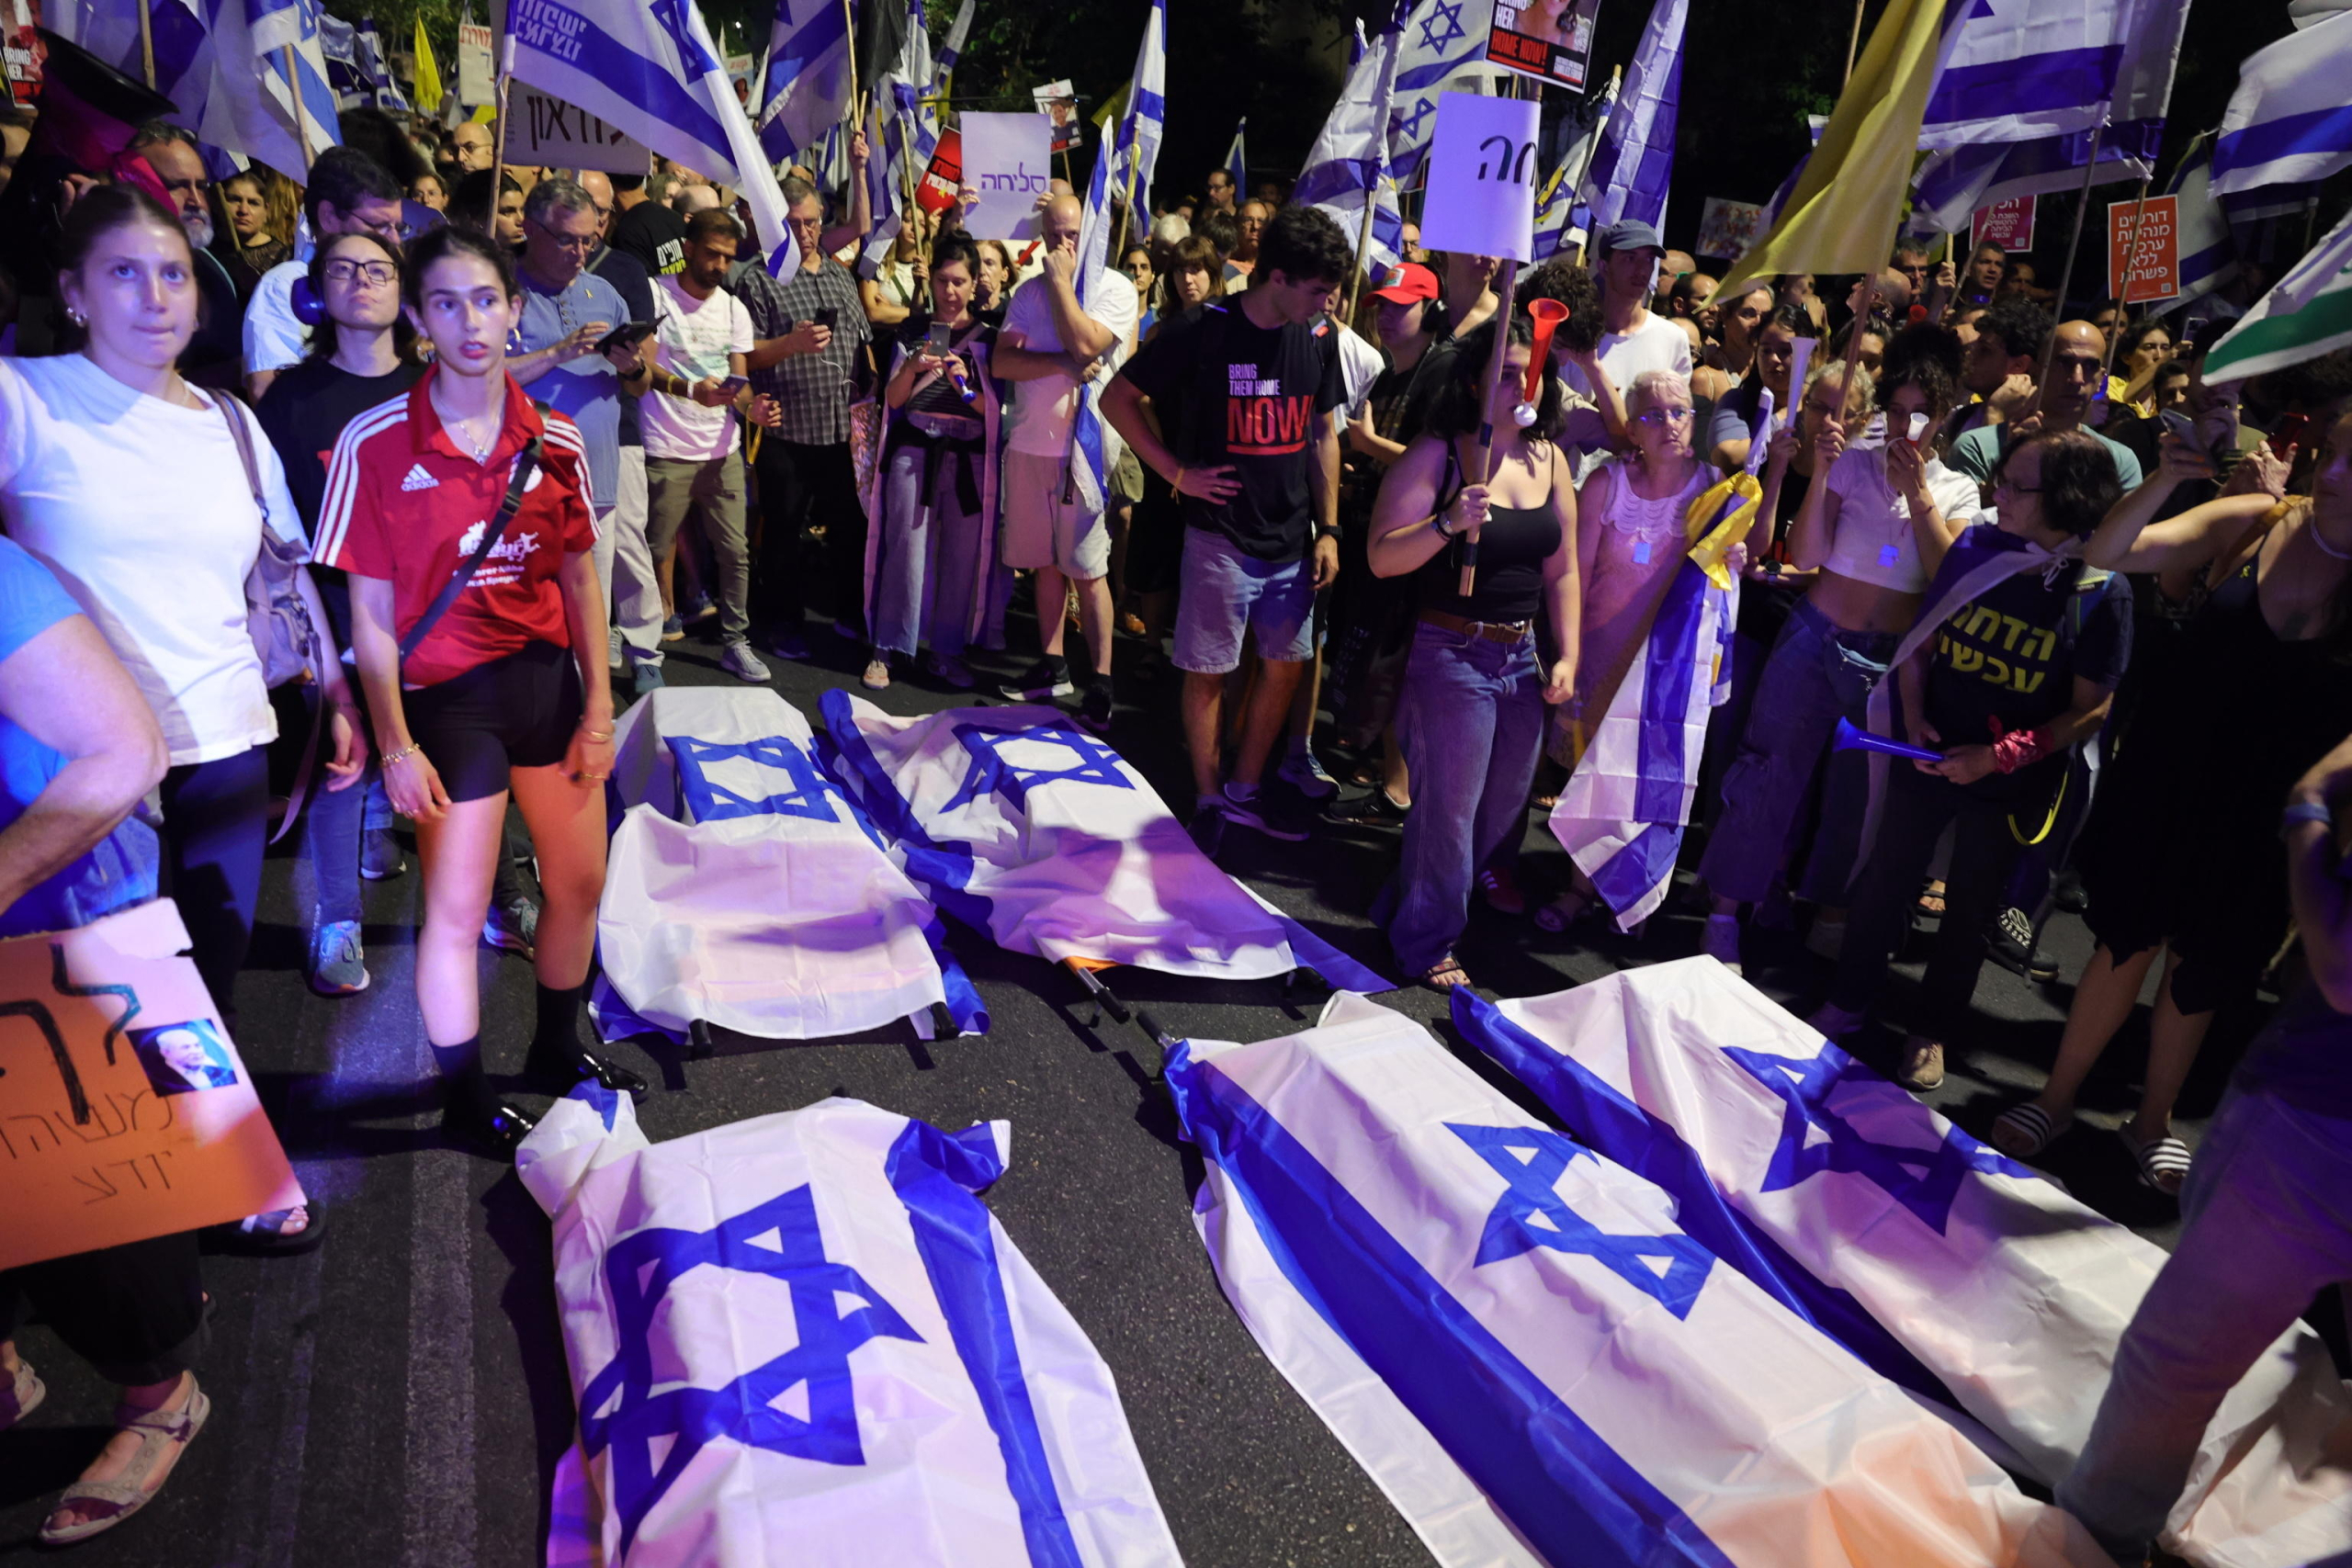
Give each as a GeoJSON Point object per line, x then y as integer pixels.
{"type": "Point", "coordinates": [1246, 390]}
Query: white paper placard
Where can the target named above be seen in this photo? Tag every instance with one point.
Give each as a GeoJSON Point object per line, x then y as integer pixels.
{"type": "Point", "coordinates": [1008, 159]}
{"type": "Point", "coordinates": [558, 135]}
{"type": "Point", "coordinates": [1482, 177]}
{"type": "Point", "coordinates": [477, 72]}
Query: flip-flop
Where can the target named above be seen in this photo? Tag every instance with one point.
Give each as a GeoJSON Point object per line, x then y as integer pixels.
{"type": "Point", "coordinates": [2160, 1159]}
{"type": "Point", "coordinates": [2031, 1129]}
{"type": "Point", "coordinates": [1449, 965]}
{"type": "Point", "coordinates": [258, 1235]}
{"type": "Point", "coordinates": [115, 1501]}
{"type": "Point", "coordinates": [1563, 912]}
{"type": "Point", "coordinates": [22, 1397]}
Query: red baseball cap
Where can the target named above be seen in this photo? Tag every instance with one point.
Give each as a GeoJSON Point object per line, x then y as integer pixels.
{"type": "Point", "coordinates": [1407, 282]}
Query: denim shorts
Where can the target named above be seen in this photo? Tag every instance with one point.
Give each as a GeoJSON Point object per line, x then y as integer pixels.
{"type": "Point", "coordinates": [1226, 591]}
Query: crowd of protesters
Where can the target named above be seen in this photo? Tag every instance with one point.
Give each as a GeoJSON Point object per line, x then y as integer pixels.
{"type": "Point", "coordinates": [515, 431]}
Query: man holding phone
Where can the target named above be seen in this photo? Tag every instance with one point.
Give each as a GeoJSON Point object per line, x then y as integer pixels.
{"type": "Point", "coordinates": [694, 461]}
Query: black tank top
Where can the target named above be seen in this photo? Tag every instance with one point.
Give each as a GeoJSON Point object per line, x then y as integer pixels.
{"type": "Point", "coordinates": [1513, 548]}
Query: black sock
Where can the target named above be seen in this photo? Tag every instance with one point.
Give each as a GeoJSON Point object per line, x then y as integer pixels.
{"type": "Point", "coordinates": [461, 1066]}
{"type": "Point", "coordinates": [557, 1036]}
{"type": "Point", "coordinates": [1058, 664]}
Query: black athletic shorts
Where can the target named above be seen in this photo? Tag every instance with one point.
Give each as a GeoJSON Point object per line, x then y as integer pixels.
{"type": "Point", "coordinates": [515, 712]}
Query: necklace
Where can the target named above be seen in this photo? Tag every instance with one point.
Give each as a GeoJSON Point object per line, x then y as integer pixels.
{"type": "Point", "coordinates": [2311, 526]}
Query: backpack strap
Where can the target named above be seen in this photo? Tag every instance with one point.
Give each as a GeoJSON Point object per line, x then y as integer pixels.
{"type": "Point", "coordinates": [526, 463]}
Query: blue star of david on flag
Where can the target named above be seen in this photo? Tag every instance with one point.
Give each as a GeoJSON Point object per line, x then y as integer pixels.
{"type": "Point", "coordinates": [1442, 25]}
{"type": "Point", "coordinates": [1406, 125]}
{"type": "Point", "coordinates": [1815, 1139]}
{"type": "Point", "coordinates": [691, 53]}
{"type": "Point", "coordinates": [993, 772]}
{"type": "Point", "coordinates": [620, 1410]}
{"type": "Point", "coordinates": [1530, 1214]}
{"type": "Point", "coordinates": [810, 794]}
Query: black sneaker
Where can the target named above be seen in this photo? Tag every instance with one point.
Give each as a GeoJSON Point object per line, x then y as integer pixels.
{"type": "Point", "coordinates": [1042, 681]}
{"type": "Point", "coordinates": [1259, 813]}
{"type": "Point", "coordinates": [553, 1073]}
{"type": "Point", "coordinates": [485, 1123]}
{"type": "Point", "coordinates": [1372, 809]}
{"type": "Point", "coordinates": [2012, 946]}
{"type": "Point", "coordinates": [1207, 828]}
{"type": "Point", "coordinates": [1094, 710]}
{"type": "Point", "coordinates": [379, 855]}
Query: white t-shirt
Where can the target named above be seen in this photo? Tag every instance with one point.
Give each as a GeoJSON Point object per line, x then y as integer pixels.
{"type": "Point", "coordinates": [695, 339]}
{"type": "Point", "coordinates": [275, 340]}
{"type": "Point", "coordinates": [1657, 345]}
{"type": "Point", "coordinates": [142, 510]}
{"type": "Point", "coordinates": [1044, 410]}
{"type": "Point", "coordinates": [1360, 367]}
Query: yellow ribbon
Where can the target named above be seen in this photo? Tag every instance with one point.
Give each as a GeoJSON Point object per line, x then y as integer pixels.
{"type": "Point", "coordinates": [1719, 519]}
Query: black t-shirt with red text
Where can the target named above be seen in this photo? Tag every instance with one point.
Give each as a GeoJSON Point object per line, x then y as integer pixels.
{"type": "Point", "coordinates": [1230, 391]}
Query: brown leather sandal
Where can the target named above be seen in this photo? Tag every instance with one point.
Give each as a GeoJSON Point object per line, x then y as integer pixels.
{"type": "Point", "coordinates": [111, 1502]}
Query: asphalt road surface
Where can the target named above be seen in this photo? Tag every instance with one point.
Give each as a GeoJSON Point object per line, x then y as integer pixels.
{"type": "Point", "coordinates": [398, 1398]}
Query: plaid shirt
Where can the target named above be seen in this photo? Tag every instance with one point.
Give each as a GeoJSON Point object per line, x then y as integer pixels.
{"type": "Point", "coordinates": [813, 389]}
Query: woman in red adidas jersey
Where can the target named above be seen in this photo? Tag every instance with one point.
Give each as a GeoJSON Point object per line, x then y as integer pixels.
{"type": "Point", "coordinates": [502, 692]}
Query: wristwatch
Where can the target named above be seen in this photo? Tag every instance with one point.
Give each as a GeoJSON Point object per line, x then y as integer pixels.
{"type": "Point", "coordinates": [1441, 522]}
{"type": "Point", "coordinates": [1326, 531]}
{"type": "Point", "coordinates": [2299, 812]}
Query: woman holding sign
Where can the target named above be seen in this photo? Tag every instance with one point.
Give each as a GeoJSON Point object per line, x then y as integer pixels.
{"type": "Point", "coordinates": [1471, 718]}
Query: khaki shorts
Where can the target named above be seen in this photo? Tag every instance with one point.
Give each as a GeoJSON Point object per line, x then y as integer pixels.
{"type": "Point", "coordinates": [1041, 529]}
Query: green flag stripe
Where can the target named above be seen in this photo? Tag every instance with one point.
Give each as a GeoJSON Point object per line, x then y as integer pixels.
{"type": "Point", "coordinates": [2326, 317]}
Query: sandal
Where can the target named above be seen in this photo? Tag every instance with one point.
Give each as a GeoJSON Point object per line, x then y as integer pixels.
{"type": "Point", "coordinates": [265, 1235]}
{"type": "Point", "coordinates": [1923, 1065]}
{"type": "Point", "coordinates": [1564, 911]}
{"type": "Point", "coordinates": [2022, 1132]}
{"type": "Point", "coordinates": [111, 1502]}
{"type": "Point", "coordinates": [22, 1397]}
{"type": "Point", "coordinates": [1445, 974]}
{"type": "Point", "coordinates": [2164, 1162]}
{"type": "Point", "coordinates": [1502, 891]}
{"type": "Point", "coordinates": [1931, 900]}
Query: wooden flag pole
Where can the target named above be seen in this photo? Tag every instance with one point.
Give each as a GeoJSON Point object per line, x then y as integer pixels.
{"type": "Point", "coordinates": [2131, 257]}
{"type": "Point", "coordinates": [856, 103]}
{"type": "Point", "coordinates": [1853, 47]}
{"type": "Point", "coordinates": [1506, 286]}
{"type": "Point", "coordinates": [498, 147]}
{"type": "Point", "coordinates": [1128, 205]}
{"type": "Point", "coordinates": [2066, 276]}
{"type": "Point", "coordinates": [293, 91]}
{"type": "Point", "coordinates": [147, 46]}
{"type": "Point", "coordinates": [1363, 247]}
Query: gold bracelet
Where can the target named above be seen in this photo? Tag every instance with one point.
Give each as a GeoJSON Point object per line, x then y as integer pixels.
{"type": "Point", "coordinates": [589, 734]}
{"type": "Point", "coordinates": [411, 750]}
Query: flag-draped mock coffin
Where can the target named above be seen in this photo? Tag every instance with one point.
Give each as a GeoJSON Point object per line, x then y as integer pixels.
{"type": "Point", "coordinates": [744, 888]}
{"type": "Point", "coordinates": [802, 1339]}
{"type": "Point", "coordinates": [1023, 825]}
{"type": "Point", "coordinates": [1923, 1250]}
{"type": "Point", "coordinates": [1527, 1354]}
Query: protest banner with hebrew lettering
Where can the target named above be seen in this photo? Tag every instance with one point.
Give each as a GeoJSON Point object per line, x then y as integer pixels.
{"type": "Point", "coordinates": [1482, 170]}
{"type": "Point", "coordinates": [125, 1111]}
{"type": "Point", "coordinates": [2008, 224]}
{"type": "Point", "coordinates": [546, 130]}
{"type": "Point", "coordinates": [2145, 268]}
{"type": "Point", "coordinates": [477, 72]}
{"type": "Point", "coordinates": [1008, 159]}
{"type": "Point", "coordinates": [945, 177]}
{"type": "Point", "coordinates": [1548, 40]}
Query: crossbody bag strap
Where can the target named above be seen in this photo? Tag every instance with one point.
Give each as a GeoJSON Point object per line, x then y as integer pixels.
{"type": "Point", "coordinates": [226, 405]}
{"type": "Point", "coordinates": [306, 768]}
{"type": "Point", "coordinates": [526, 462]}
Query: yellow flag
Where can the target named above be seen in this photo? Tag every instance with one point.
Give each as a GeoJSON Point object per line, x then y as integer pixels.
{"type": "Point", "coordinates": [1110, 110]}
{"type": "Point", "coordinates": [1842, 214]}
{"type": "Point", "coordinates": [427, 97]}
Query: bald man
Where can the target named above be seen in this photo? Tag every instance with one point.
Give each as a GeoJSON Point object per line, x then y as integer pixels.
{"type": "Point", "coordinates": [474, 144]}
{"type": "Point", "coordinates": [1050, 346]}
{"type": "Point", "coordinates": [2078, 363]}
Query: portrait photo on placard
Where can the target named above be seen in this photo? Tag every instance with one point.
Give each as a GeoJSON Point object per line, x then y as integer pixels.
{"type": "Point", "coordinates": [180, 1058]}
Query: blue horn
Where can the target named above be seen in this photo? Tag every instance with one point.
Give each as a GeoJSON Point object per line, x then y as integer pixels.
{"type": "Point", "coordinates": [1851, 739]}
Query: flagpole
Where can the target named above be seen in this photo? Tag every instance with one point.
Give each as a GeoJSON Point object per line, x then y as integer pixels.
{"type": "Point", "coordinates": [147, 47]}
{"type": "Point", "coordinates": [2066, 276]}
{"type": "Point", "coordinates": [293, 90]}
{"type": "Point", "coordinates": [856, 104]}
{"type": "Point", "coordinates": [2130, 259]}
{"type": "Point", "coordinates": [498, 152]}
{"type": "Point", "coordinates": [1506, 286]}
{"type": "Point", "coordinates": [1853, 47]}
{"type": "Point", "coordinates": [1127, 206]}
{"type": "Point", "coordinates": [1363, 247]}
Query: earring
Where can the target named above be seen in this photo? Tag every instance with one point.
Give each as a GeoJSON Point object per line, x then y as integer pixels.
{"type": "Point", "coordinates": [76, 317]}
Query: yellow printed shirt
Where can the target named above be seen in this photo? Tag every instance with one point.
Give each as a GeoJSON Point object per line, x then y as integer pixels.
{"type": "Point", "coordinates": [2009, 658]}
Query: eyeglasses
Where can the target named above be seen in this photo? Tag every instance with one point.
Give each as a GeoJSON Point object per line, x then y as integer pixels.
{"type": "Point", "coordinates": [1659, 418]}
{"type": "Point", "coordinates": [377, 273]}
{"type": "Point", "coordinates": [581, 245]}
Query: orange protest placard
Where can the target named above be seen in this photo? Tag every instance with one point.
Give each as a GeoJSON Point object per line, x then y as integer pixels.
{"type": "Point", "coordinates": [2146, 267]}
{"type": "Point", "coordinates": [125, 1111]}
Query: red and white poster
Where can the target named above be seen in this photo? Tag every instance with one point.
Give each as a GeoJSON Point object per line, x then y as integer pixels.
{"type": "Point", "coordinates": [2144, 250]}
{"type": "Point", "coordinates": [20, 48]}
{"type": "Point", "coordinates": [945, 177]}
{"type": "Point", "coordinates": [2008, 224]}
{"type": "Point", "coordinates": [1548, 40]}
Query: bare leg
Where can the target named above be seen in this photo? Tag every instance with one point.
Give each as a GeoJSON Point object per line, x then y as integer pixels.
{"type": "Point", "coordinates": [1262, 721]}
{"type": "Point", "coordinates": [122, 1448]}
{"type": "Point", "coordinates": [567, 823]}
{"type": "Point", "coordinates": [460, 860]}
{"type": "Point", "coordinates": [2174, 1038]}
{"type": "Point", "coordinates": [1394, 776]}
{"type": "Point", "coordinates": [1094, 619]}
{"type": "Point", "coordinates": [1304, 700]}
{"type": "Point", "coordinates": [1053, 593]}
{"type": "Point", "coordinates": [2103, 999]}
{"type": "Point", "coordinates": [1203, 703]}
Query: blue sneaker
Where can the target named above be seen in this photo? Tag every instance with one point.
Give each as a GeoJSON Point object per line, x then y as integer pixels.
{"type": "Point", "coordinates": [646, 678]}
{"type": "Point", "coordinates": [673, 630]}
{"type": "Point", "coordinates": [338, 964]}
{"type": "Point", "coordinates": [789, 645]}
{"type": "Point", "coordinates": [513, 926]}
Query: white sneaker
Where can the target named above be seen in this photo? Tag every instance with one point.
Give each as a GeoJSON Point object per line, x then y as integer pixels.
{"type": "Point", "coordinates": [1304, 772]}
{"type": "Point", "coordinates": [738, 660]}
{"type": "Point", "coordinates": [878, 675]}
{"type": "Point", "coordinates": [1722, 940]}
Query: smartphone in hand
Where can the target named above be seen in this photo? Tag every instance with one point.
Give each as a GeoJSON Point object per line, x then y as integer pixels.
{"type": "Point", "coordinates": [734, 384]}
{"type": "Point", "coordinates": [938, 342]}
{"type": "Point", "coordinates": [826, 316]}
{"type": "Point", "coordinates": [626, 332]}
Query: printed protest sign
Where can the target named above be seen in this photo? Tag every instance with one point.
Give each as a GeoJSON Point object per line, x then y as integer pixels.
{"type": "Point", "coordinates": [125, 1111]}
{"type": "Point", "coordinates": [2145, 267]}
{"type": "Point", "coordinates": [476, 77]}
{"type": "Point", "coordinates": [1481, 195]}
{"type": "Point", "coordinates": [546, 130]}
{"type": "Point", "coordinates": [1727, 228]}
{"type": "Point", "coordinates": [1008, 158]}
{"type": "Point", "coordinates": [2008, 224]}
{"type": "Point", "coordinates": [20, 49]}
{"type": "Point", "coordinates": [944, 176]}
{"type": "Point", "coordinates": [1548, 40]}
{"type": "Point", "coordinates": [1057, 101]}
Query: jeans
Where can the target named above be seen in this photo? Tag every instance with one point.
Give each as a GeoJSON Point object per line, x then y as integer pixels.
{"type": "Point", "coordinates": [216, 816]}
{"type": "Point", "coordinates": [712, 490]}
{"type": "Point", "coordinates": [1985, 849]}
{"type": "Point", "coordinates": [1816, 675]}
{"type": "Point", "coordinates": [332, 821]}
{"type": "Point", "coordinates": [624, 565]}
{"type": "Point", "coordinates": [802, 487]}
{"type": "Point", "coordinates": [1471, 721]}
{"type": "Point", "coordinates": [2267, 1221]}
{"type": "Point", "coordinates": [929, 566]}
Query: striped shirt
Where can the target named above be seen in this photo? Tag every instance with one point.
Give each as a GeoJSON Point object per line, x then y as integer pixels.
{"type": "Point", "coordinates": [814, 389]}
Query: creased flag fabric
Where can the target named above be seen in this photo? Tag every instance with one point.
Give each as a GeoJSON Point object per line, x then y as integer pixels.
{"type": "Point", "coordinates": [803, 1339]}
{"type": "Point", "coordinates": [178, 32]}
{"type": "Point", "coordinates": [1237, 161]}
{"type": "Point", "coordinates": [1562, 217]}
{"type": "Point", "coordinates": [1621, 813]}
{"type": "Point", "coordinates": [806, 84]}
{"type": "Point", "coordinates": [2290, 118]}
{"type": "Point", "coordinates": [1022, 825]}
{"type": "Point", "coordinates": [2027, 69]}
{"type": "Point", "coordinates": [747, 890]}
{"type": "Point", "coordinates": [2208, 251]}
{"type": "Point", "coordinates": [1840, 217]}
{"type": "Point", "coordinates": [649, 67]}
{"type": "Point", "coordinates": [428, 74]}
{"type": "Point", "coordinates": [1445, 51]}
{"type": "Point", "coordinates": [250, 105]}
{"type": "Point", "coordinates": [1526, 1353]}
{"type": "Point", "coordinates": [1348, 164]}
{"type": "Point", "coordinates": [2002, 1286]}
{"type": "Point", "coordinates": [952, 49]}
{"type": "Point", "coordinates": [375, 70]}
{"type": "Point", "coordinates": [1634, 163]}
{"type": "Point", "coordinates": [2308, 313]}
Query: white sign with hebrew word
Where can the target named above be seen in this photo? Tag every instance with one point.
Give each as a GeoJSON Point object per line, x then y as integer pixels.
{"type": "Point", "coordinates": [1482, 177]}
{"type": "Point", "coordinates": [1008, 158]}
{"type": "Point", "coordinates": [542, 129]}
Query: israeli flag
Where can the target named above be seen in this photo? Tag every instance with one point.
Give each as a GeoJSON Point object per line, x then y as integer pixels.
{"type": "Point", "coordinates": [2209, 253]}
{"type": "Point", "coordinates": [745, 889]}
{"type": "Point", "coordinates": [179, 32]}
{"type": "Point", "coordinates": [1348, 165]}
{"type": "Point", "coordinates": [807, 85]}
{"type": "Point", "coordinates": [649, 67]}
{"type": "Point", "coordinates": [1442, 49]}
{"type": "Point", "coordinates": [1634, 163]}
{"type": "Point", "coordinates": [1621, 813]}
{"type": "Point", "coordinates": [2289, 121]}
{"type": "Point", "coordinates": [1920, 1248]}
{"type": "Point", "coordinates": [802, 1339]}
{"type": "Point", "coordinates": [1527, 1353]}
{"type": "Point", "coordinates": [375, 76]}
{"type": "Point", "coordinates": [1237, 160]}
{"type": "Point", "coordinates": [1022, 825]}
{"type": "Point", "coordinates": [952, 51]}
{"type": "Point", "coordinates": [1563, 220]}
